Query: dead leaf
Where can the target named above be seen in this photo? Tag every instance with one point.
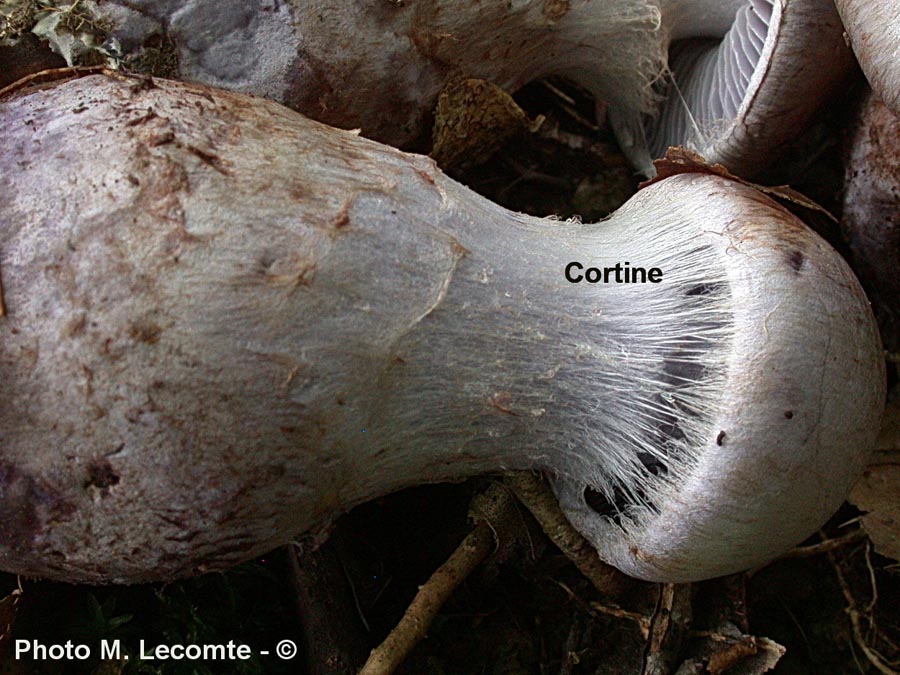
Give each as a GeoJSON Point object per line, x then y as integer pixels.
{"type": "Point", "coordinates": [878, 490]}
{"type": "Point", "coordinates": [472, 121]}
{"type": "Point", "coordinates": [680, 160]}
{"type": "Point", "coordinates": [889, 439]}
{"type": "Point", "coordinates": [9, 607]}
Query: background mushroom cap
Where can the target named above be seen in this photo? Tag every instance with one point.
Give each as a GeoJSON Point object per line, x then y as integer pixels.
{"type": "Point", "coordinates": [871, 206]}
{"type": "Point", "coordinates": [228, 324]}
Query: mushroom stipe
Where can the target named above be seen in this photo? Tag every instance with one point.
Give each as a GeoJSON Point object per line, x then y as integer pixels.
{"type": "Point", "coordinates": [228, 324]}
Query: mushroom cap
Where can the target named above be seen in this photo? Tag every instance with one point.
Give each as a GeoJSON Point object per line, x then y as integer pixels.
{"type": "Point", "coordinates": [746, 75]}
{"type": "Point", "coordinates": [227, 324]}
{"type": "Point", "coordinates": [782, 448]}
{"type": "Point", "coordinates": [874, 31]}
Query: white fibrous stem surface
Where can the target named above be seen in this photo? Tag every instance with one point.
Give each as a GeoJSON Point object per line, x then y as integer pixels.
{"type": "Point", "coordinates": [227, 324]}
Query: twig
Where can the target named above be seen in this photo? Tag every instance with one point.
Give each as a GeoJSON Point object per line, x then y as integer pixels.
{"type": "Point", "coordinates": [668, 629]}
{"type": "Point", "coordinates": [856, 623]}
{"type": "Point", "coordinates": [413, 627]}
{"type": "Point", "coordinates": [872, 582]}
{"type": "Point", "coordinates": [643, 622]}
{"type": "Point", "coordinates": [570, 649]}
{"type": "Point", "coordinates": [568, 106]}
{"type": "Point", "coordinates": [538, 498]}
{"type": "Point", "coordinates": [826, 546]}
{"type": "Point", "coordinates": [2, 302]}
{"type": "Point", "coordinates": [595, 608]}
{"type": "Point", "coordinates": [558, 92]}
{"type": "Point", "coordinates": [52, 75]}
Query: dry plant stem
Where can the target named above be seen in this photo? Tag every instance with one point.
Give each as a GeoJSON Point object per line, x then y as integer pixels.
{"type": "Point", "coordinates": [826, 546]}
{"type": "Point", "coordinates": [51, 75]}
{"type": "Point", "coordinates": [538, 498]}
{"type": "Point", "coordinates": [855, 615]}
{"type": "Point", "coordinates": [640, 620]}
{"type": "Point", "coordinates": [417, 619]}
{"type": "Point", "coordinates": [669, 628]}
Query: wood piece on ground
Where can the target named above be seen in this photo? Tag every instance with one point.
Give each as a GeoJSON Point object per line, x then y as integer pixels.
{"type": "Point", "coordinates": [734, 655]}
{"type": "Point", "coordinates": [723, 645]}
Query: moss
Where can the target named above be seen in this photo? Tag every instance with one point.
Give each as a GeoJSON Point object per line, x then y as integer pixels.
{"type": "Point", "coordinates": [158, 57]}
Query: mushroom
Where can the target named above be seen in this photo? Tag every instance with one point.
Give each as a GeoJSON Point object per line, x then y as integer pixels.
{"type": "Point", "coordinates": [874, 32]}
{"type": "Point", "coordinates": [871, 206]}
{"type": "Point", "coordinates": [226, 324]}
{"type": "Point", "coordinates": [736, 66]}
{"type": "Point", "coordinates": [872, 178]}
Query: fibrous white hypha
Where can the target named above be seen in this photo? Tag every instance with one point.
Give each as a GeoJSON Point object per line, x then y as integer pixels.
{"type": "Point", "coordinates": [227, 324]}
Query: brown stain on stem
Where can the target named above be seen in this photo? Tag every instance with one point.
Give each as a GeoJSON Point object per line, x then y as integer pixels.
{"type": "Point", "coordinates": [342, 218]}
{"type": "Point", "coordinates": [210, 159]}
{"type": "Point", "coordinates": [554, 10]}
